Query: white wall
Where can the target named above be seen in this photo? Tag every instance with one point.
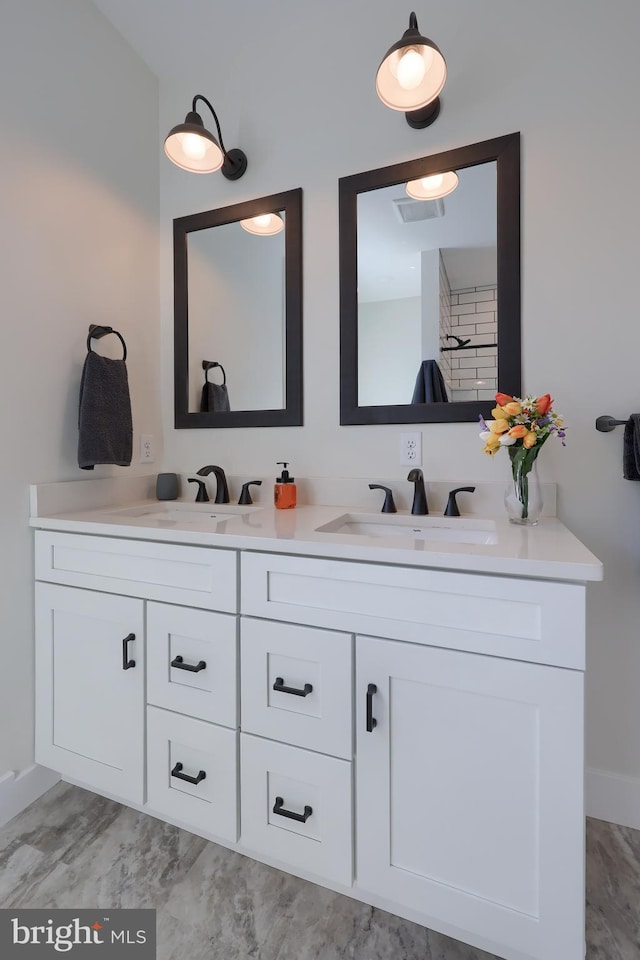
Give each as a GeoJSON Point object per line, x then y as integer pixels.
{"type": "Point", "coordinates": [389, 352]}
{"type": "Point", "coordinates": [306, 114]}
{"type": "Point", "coordinates": [78, 215]}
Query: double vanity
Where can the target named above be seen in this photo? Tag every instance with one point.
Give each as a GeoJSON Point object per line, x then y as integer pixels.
{"type": "Point", "coordinates": [388, 706]}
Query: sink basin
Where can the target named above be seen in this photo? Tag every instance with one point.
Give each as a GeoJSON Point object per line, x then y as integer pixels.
{"type": "Point", "coordinates": [175, 513]}
{"type": "Point", "coordinates": [447, 529]}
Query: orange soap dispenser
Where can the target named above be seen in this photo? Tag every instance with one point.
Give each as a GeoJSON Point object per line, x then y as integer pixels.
{"type": "Point", "coordinates": [284, 491]}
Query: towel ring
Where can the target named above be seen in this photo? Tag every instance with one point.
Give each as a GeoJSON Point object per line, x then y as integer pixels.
{"type": "Point", "coordinates": [96, 332]}
{"type": "Point", "coordinates": [209, 365]}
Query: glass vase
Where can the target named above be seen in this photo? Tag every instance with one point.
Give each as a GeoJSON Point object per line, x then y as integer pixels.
{"type": "Point", "coordinates": [523, 496]}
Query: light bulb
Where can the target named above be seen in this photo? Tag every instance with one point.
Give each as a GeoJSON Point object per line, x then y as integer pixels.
{"type": "Point", "coordinates": [433, 182]}
{"type": "Point", "coordinates": [264, 225]}
{"type": "Point", "coordinates": [433, 187]}
{"type": "Point", "coordinates": [193, 146]}
{"type": "Point", "coordinates": [411, 69]}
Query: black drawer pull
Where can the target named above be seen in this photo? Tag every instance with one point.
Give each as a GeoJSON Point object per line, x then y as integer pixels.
{"type": "Point", "coordinates": [185, 776]}
{"type": "Point", "coordinates": [280, 687]}
{"type": "Point", "coordinates": [278, 808]}
{"type": "Point", "coordinates": [126, 663]}
{"type": "Point", "coordinates": [179, 664]}
{"type": "Point", "coordinates": [371, 720]}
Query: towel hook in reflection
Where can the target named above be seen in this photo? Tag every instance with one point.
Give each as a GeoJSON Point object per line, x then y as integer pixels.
{"type": "Point", "coordinates": [96, 332]}
{"type": "Point", "coordinates": [606, 423]}
{"type": "Point", "coordinates": [209, 365]}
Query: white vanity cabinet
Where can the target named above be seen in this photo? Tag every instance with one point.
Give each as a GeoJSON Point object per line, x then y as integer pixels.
{"type": "Point", "coordinates": [409, 736]}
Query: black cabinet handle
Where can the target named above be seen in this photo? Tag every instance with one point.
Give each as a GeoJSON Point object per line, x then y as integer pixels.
{"type": "Point", "coordinates": [176, 772]}
{"type": "Point", "coordinates": [179, 664]}
{"type": "Point", "coordinates": [278, 808]}
{"type": "Point", "coordinates": [126, 663]}
{"type": "Point", "coordinates": [371, 720]}
{"type": "Point", "coordinates": [280, 687]}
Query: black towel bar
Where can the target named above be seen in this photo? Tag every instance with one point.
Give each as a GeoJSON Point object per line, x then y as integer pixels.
{"type": "Point", "coordinates": [96, 332]}
{"type": "Point", "coordinates": [606, 423]}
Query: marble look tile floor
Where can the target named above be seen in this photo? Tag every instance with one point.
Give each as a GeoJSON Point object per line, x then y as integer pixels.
{"type": "Point", "coordinates": [72, 848]}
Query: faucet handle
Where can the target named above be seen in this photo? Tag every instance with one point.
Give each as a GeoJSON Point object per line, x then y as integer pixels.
{"type": "Point", "coordinates": [245, 495]}
{"type": "Point", "coordinates": [202, 496]}
{"type": "Point", "coordinates": [388, 506]}
{"type": "Point", "coordinates": [451, 510]}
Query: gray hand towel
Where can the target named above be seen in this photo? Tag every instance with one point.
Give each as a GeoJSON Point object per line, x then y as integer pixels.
{"type": "Point", "coordinates": [104, 413]}
{"type": "Point", "coordinates": [215, 398]}
{"type": "Point", "coordinates": [430, 386]}
{"type": "Point", "coordinates": [631, 448]}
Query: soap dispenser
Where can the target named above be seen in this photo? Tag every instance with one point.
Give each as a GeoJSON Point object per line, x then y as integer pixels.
{"type": "Point", "coordinates": [284, 491]}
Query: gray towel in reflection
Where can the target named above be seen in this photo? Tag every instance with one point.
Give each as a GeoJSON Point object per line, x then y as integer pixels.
{"type": "Point", "coordinates": [104, 413]}
{"type": "Point", "coordinates": [215, 398]}
{"type": "Point", "coordinates": [430, 386]}
{"type": "Point", "coordinates": [631, 448]}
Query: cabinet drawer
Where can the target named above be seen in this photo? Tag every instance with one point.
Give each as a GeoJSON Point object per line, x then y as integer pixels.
{"type": "Point", "coordinates": [278, 780]}
{"type": "Point", "coordinates": [195, 576]}
{"type": "Point", "coordinates": [313, 668]}
{"type": "Point", "coordinates": [538, 621]}
{"type": "Point", "coordinates": [192, 662]}
{"type": "Point", "coordinates": [179, 747]}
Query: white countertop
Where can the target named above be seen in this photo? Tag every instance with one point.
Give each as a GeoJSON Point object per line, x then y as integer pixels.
{"type": "Point", "coordinates": [547, 550]}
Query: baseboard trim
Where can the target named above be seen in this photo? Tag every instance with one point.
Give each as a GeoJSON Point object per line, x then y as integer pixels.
{"type": "Point", "coordinates": [18, 790]}
{"type": "Point", "coordinates": [612, 797]}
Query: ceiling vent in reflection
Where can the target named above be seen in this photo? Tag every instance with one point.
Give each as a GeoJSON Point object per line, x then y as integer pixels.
{"type": "Point", "coordinates": [411, 211]}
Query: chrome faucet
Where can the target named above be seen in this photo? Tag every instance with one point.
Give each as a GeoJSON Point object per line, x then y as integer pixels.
{"type": "Point", "coordinates": [419, 505]}
{"type": "Point", "coordinates": [222, 490]}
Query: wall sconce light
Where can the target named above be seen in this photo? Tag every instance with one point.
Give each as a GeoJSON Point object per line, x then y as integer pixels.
{"type": "Point", "coordinates": [192, 147]}
{"type": "Point", "coordinates": [411, 77]}
{"type": "Point", "coordinates": [434, 187]}
{"type": "Point", "coordinates": [264, 225]}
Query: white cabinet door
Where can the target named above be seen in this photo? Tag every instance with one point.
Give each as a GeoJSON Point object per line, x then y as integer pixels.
{"type": "Point", "coordinates": [470, 795]}
{"type": "Point", "coordinates": [90, 688]}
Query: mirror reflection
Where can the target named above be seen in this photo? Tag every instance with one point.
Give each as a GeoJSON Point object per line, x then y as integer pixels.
{"type": "Point", "coordinates": [430, 286]}
{"type": "Point", "coordinates": [234, 323]}
{"type": "Point", "coordinates": [238, 314]}
{"type": "Point", "coordinates": [427, 309]}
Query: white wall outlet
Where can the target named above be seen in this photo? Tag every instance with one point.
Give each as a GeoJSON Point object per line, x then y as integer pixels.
{"type": "Point", "coordinates": [411, 449]}
{"type": "Point", "coordinates": [147, 449]}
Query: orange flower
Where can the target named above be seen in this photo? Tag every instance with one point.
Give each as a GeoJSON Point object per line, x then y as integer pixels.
{"type": "Point", "coordinates": [543, 404]}
{"type": "Point", "coordinates": [529, 440]}
{"type": "Point", "coordinates": [499, 413]}
{"type": "Point", "coordinates": [518, 431]}
{"type": "Point", "coordinates": [503, 398]}
{"type": "Point", "coordinates": [498, 426]}
{"type": "Point", "coordinates": [513, 409]}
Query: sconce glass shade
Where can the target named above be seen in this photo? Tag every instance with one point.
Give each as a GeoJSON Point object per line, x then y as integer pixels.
{"type": "Point", "coordinates": [412, 75]}
{"type": "Point", "coordinates": [433, 187]}
{"type": "Point", "coordinates": [265, 225]}
{"type": "Point", "coordinates": [191, 147]}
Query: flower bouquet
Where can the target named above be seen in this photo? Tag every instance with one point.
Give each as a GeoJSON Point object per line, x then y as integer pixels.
{"type": "Point", "coordinates": [523, 426]}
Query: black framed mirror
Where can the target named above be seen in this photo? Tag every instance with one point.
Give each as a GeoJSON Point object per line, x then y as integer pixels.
{"type": "Point", "coordinates": [430, 289]}
{"type": "Point", "coordinates": [238, 314]}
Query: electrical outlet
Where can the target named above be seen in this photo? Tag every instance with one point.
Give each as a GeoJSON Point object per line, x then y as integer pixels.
{"type": "Point", "coordinates": [147, 451]}
{"type": "Point", "coordinates": [410, 449]}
